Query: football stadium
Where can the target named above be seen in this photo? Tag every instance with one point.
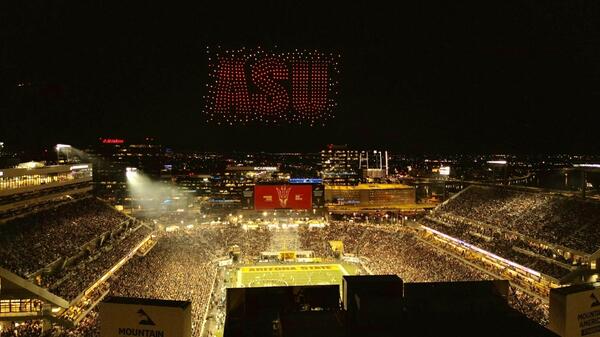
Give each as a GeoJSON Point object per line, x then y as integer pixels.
{"type": "Point", "coordinates": [65, 252]}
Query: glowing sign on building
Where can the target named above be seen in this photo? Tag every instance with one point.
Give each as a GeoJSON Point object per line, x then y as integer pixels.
{"type": "Point", "coordinates": [445, 170]}
{"type": "Point", "coordinates": [256, 85]}
{"type": "Point", "coordinates": [305, 181]}
{"type": "Point", "coordinates": [112, 141]}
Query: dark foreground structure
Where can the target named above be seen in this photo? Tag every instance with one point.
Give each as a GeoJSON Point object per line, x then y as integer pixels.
{"type": "Point", "coordinates": [379, 305]}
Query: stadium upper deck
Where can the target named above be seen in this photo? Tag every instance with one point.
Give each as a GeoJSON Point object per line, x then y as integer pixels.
{"type": "Point", "coordinates": [60, 256]}
{"type": "Point", "coordinates": [20, 180]}
{"type": "Point", "coordinates": [551, 235]}
{"type": "Point", "coordinates": [33, 187]}
{"type": "Point", "coordinates": [566, 221]}
{"type": "Point", "coordinates": [31, 243]}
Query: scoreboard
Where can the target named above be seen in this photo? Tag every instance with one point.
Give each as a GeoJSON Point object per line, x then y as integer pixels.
{"type": "Point", "coordinates": [282, 197]}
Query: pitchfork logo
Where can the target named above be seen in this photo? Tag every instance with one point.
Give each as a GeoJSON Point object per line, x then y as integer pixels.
{"type": "Point", "coordinates": [145, 319]}
{"type": "Point", "coordinates": [283, 193]}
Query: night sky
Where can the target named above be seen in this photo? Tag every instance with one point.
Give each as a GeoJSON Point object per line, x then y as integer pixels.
{"type": "Point", "coordinates": [416, 76]}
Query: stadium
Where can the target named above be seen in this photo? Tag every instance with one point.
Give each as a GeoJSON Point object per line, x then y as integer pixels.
{"type": "Point", "coordinates": [64, 251]}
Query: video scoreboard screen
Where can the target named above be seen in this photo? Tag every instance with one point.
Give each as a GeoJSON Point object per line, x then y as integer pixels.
{"type": "Point", "coordinates": [282, 197]}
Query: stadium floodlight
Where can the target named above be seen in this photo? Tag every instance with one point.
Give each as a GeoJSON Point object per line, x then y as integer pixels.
{"type": "Point", "coordinates": [62, 146]}
{"type": "Point", "coordinates": [497, 162]}
{"type": "Point", "coordinates": [587, 165]}
{"type": "Point", "coordinates": [444, 170]}
{"type": "Point", "coordinates": [79, 167]}
{"type": "Point", "coordinates": [130, 172]}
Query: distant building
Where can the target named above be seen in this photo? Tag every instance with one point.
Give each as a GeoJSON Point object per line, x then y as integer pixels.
{"type": "Point", "coordinates": [373, 165]}
{"type": "Point", "coordinates": [340, 165]}
{"type": "Point", "coordinates": [111, 156]}
{"type": "Point", "coordinates": [235, 185]}
{"type": "Point", "coordinates": [198, 184]}
{"type": "Point", "coordinates": [371, 195]}
{"type": "Point", "coordinates": [343, 166]}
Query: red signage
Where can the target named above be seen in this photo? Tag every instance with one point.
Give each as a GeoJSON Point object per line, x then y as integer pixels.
{"type": "Point", "coordinates": [270, 86]}
{"type": "Point", "coordinates": [112, 141]}
{"type": "Point", "coordinates": [282, 196]}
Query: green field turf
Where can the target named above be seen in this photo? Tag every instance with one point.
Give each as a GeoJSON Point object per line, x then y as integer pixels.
{"type": "Point", "coordinates": [290, 275]}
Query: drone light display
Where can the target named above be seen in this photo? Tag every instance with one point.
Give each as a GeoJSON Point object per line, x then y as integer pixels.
{"type": "Point", "coordinates": [271, 87]}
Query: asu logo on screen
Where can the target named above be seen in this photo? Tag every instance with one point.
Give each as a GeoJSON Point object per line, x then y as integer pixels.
{"type": "Point", "coordinates": [282, 197]}
{"type": "Point", "coordinates": [271, 87]}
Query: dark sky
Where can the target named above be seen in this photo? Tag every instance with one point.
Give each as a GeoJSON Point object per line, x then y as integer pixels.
{"type": "Point", "coordinates": [417, 76]}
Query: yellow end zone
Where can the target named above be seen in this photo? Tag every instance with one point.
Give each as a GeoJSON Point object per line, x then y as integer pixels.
{"type": "Point", "coordinates": [266, 269]}
{"type": "Point", "coordinates": [289, 268]}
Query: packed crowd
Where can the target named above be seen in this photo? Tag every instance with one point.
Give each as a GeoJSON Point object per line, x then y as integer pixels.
{"type": "Point", "coordinates": [30, 329]}
{"type": "Point", "coordinates": [386, 250]}
{"type": "Point", "coordinates": [391, 251]}
{"type": "Point", "coordinates": [88, 327]}
{"type": "Point", "coordinates": [533, 307]}
{"type": "Point", "coordinates": [84, 274]}
{"type": "Point", "coordinates": [502, 244]}
{"type": "Point", "coordinates": [567, 221]}
{"type": "Point", "coordinates": [177, 269]}
{"type": "Point", "coordinates": [31, 243]}
{"type": "Point", "coordinates": [179, 266]}
{"type": "Point", "coordinates": [181, 269]}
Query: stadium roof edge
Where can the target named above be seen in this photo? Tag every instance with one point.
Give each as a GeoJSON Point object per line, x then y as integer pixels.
{"type": "Point", "coordinates": [33, 288]}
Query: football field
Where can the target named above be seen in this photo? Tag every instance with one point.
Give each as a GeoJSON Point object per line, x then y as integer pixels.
{"type": "Point", "coordinates": [290, 275]}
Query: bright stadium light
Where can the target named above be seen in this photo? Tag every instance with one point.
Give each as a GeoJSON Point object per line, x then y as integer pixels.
{"type": "Point", "coordinates": [79, 167]}
{"type": "Point", "coordinates": [130, 172]}
{"type": "Point", "coordinates": [587, 165]}
{"type": "Point", "coordinates": [62, 146]}
{"type": "Point", "coordinates": [497, 162]}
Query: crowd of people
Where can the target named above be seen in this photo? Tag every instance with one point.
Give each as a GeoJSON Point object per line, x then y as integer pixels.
{"type": "Point", "coordinates": [177, 268]}
{"type": "Point", "coordinates": [29, 329]}
{"type": "Point", "coordinates": [502, 244]}
{"type": "Point", "coordinates": [30, 243]}
{"type": "Point", "coordinates": [568, 221]}
{"type": "Point", "coordinates": [181, 265]}
{"type": "Point", "coordinates": [88, 327]}
{"type": "Point", "coordinates": [533, 307]}
{"type": "Point", "coordinates": [392, 250]}
{"type": "Point", "coordinates": [85, 273]}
